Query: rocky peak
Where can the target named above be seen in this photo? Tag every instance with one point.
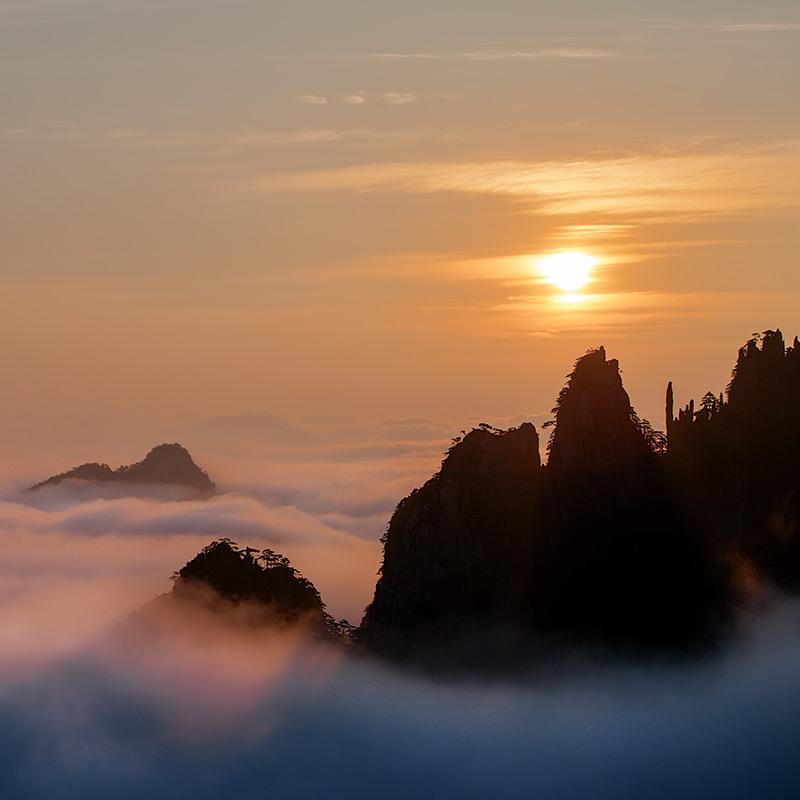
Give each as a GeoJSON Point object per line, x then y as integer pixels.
{"type": "Point", "coordinates": [244, 587]}
{"type": "Point", "coordinates": [597, 431]}
{"type": "Point", "coordinates": [457, 550]}
{"type": "Point", "coordinates": [248, 575]}
{"type": "Point", "coordinates": [484, 450]}
{"type": "Point", "coordinates": [168, 464]}
{"type": "Point", "coordinates": [766, 377]}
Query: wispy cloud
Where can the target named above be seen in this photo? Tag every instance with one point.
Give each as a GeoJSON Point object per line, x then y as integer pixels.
{"type": "Point", "coordinates": [761, 27]}
{"type": "Point", "coordinates": [360, 99]}
{"type": "Point", "coordinates": [52, 12]}
{"type": "Point", "coordinates": [497, 55]}
{"type": "Point", "coordinates": [398, 98]}
{"type": "Point", "coordinates": [725, 180]}
{"type": "Point", "coordinates": [723, 26]}
{"type": "Point", "coordinates": [616, 315]}
{"type": "Point", "coordinates": [245, 138]}
{"type": "Point", "coordinates": [312, 99]}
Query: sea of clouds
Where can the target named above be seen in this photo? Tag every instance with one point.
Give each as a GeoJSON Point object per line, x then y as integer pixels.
{"type": "Point", "coordinates": [207, 713]}
{"type": "Point", "coordinates": [278, 716]}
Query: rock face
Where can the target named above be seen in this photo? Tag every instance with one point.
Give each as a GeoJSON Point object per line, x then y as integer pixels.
{"type": "Point", "coordinates": [167, 464]}
{"type": "Point", "coordinates": [597, 435]}
{"type": "Point", "coordinates": [589, 548]}
{"type": "Point", "coordinates": [614, 560]}
{"type": "Point", "coordinates": [734, 462]}
{"type": "Point", "coordinates": [247, 588]}
{"type": "Point", "coordinates": [457, 551]}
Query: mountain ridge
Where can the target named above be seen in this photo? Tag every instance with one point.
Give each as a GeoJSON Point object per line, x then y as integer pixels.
{"type": "Point", "coordinates": [168, 464]}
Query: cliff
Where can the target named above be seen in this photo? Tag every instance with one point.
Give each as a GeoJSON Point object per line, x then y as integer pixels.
{"type": "Point", "coordinates": [457, 551]}
{"type": "Point", "coordinates": [615, 562]}
{"type": "Point", "coordinates": [590, 548]}
{"type": "Point", "coordinates": [733, 460]}
{"type": "Point", "coordinates": [597, 434]}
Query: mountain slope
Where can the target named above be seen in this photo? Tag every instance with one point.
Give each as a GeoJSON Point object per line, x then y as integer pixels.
{"type": "Point", "coordinates": [457, 550]}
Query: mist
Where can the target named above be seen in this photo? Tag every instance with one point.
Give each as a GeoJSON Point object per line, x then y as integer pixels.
{"type": "Point", "coordinates": [203, 710]}
{"type": "Point", "coordinates": [277, 715]}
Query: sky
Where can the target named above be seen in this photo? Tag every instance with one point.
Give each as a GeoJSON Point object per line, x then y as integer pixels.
{"type": "Point", "coordinates": [307, 240]}
{"type": "Point", "coordinates": [226, 209]}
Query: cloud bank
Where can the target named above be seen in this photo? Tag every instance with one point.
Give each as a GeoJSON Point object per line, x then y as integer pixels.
{"type": "Point", "coordinates": [716, 179]}
{"type": "Point", "coordinates": [278, 716]}
{"type": "Point", "coordinates": [88, 712]}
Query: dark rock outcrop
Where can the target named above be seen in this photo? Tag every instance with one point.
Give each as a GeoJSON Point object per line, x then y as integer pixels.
{"type": "Point", "coordinates": [597, 436]}
{"type": "Point", "coordinates": [245, 588]}
{"type": "Point", "coordinates": [457, 551]}
{"type": "Point", "coordinates": [734, 462]}
{"type": "Point", "coordinates": [166, 464]}
{"type": "Point", "coordinates": [615, 562]}
{"type": "Point", "coordinates": [591, 548]}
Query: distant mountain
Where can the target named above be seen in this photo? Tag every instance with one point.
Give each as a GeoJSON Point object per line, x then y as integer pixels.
{"type": "Point", "coordinates": [247, 429]}
{"type": "Point", "coordinates": [243, 587]}
{"type": "Point", "coordinates": [167, 464]}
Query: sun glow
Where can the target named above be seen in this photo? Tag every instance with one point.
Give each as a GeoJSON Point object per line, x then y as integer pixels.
{"type": "Point", "coordinates": [567, 271]}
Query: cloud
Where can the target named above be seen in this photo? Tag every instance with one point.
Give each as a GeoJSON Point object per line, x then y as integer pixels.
{"type": "Point", "coordinates": [361, 98]}
{"type": "Point", "coordinates": [760, 27]}
{"type": "Point", "coordinates": [322, 543]}
{"type": "Point", "coordinates": [210, 713]}
{"type": "Point", "coordinates": [398, 98]}
{"type": "Point", "coordinates": [619, 314]}
{"type": "Point", "coordinates": [221, 715]}
{"type": "Point", "coordinates": [723, 179]}
{"type": "Point", "coordinates": [222, 143]}
{"type": "Point", "coordinates": [723, 26]}
{"type": "Point", "coordinates": [547, 53]}
{"type": "Point", "coordinates": [312, 99]}
{"type": "Point", "coordinates": [322, 495]}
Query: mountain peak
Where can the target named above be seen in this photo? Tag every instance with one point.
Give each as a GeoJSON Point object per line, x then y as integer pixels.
{"type": "Point", "coordinates": [243, 587]}
{"type": "Point", "coordinates": [169, 464]}
{"type": "Point", "coordinates": [454, 547]}
{"type": "Point", "coordinates": [597, 430]}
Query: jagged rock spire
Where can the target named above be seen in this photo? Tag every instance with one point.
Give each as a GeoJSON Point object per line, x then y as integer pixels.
{"type": "Point", "coordinates": [670, 407]}
{"type": "Point", "coordinates": [596, 428]}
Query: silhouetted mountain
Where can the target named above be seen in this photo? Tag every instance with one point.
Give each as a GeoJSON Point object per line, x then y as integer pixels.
{"type": "Point", "coordinates": [614, 561]}
{"type": "Point", "coordinates": [168, 464]}
{"type": "Point", "coordinates": [626, 538]}
{"type": "Point", "coordinates": [734, 462]}
{"type": "Point", "coordinates": [244, 587]}
{"type": "Point", "coordinates": [591, 547]}
{"type": "Point", "coordinates": [458, 549]}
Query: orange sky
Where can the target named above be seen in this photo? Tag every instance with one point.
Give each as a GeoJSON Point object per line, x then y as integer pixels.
{"type": "Point", "coordinates": [216, 209]}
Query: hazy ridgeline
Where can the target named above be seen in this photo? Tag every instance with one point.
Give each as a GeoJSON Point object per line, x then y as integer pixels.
{"type": "Point", "coordinates": [614, 623]}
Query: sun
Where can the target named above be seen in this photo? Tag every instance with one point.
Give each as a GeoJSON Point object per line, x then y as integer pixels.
{"type": "Point", "coordinates": [567, 271]}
